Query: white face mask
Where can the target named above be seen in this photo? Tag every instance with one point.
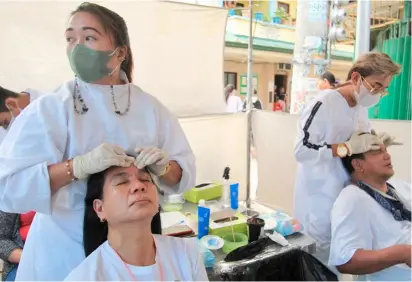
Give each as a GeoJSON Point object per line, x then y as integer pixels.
{"type": "Point", "coordinates": [365, 98]}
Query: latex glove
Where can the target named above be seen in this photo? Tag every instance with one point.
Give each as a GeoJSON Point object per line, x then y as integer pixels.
{"type": "Point", "coordinates": [154, 159]}
{"type": "Point", "coordinates": [386, 138]}
{"type": "Point", "coordinates": [361, 142]}
{"type": "Point", "coordinates": [100, 158]}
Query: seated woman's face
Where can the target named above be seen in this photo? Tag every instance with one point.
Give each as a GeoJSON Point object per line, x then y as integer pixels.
{"type": "Point", "coordinates": [128, 195]}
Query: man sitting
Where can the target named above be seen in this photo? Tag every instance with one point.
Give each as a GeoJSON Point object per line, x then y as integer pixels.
{"type": "Point", "coordinates": [371, 221]}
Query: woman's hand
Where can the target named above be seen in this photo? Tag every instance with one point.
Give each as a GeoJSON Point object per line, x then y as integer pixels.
{"type": "Point", "coordinates": [101, 158]}
{"type": "Point", "coordinates": [361, 142]}
{"type": "Point", "coordinates": [386, 138]}
{"type": "Point", "coordinates": [154, 159]}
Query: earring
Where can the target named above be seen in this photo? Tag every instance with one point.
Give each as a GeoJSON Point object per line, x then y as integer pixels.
{"type": "Point", "coordinates": [102, 220]}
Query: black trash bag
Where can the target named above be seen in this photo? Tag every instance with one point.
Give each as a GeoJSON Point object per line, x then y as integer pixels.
{"type": "Point", "coordinates": [295, 265]}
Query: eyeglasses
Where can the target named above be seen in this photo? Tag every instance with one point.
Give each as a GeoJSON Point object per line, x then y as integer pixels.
{"type": "Point", "coordinates": [377, 91]}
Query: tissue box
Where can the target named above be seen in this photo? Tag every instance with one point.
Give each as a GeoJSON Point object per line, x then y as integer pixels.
{"type": "Point", "coordinates": [206, 191]}
{"type": "Point", "coordinates": [222, 226]}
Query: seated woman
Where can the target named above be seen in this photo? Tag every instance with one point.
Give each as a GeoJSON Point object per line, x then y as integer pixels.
{"type": "Point", "coordinates": [123, 201]}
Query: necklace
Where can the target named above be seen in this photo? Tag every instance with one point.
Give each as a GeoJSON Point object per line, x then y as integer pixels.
{"type": "Point", "coordinates": [77, 96]}
{"type": "Point", "coordinates": [157, 261]}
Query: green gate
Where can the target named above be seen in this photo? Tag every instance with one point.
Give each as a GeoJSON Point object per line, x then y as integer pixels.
{"type": "Point", "coordinates": [396, 42]}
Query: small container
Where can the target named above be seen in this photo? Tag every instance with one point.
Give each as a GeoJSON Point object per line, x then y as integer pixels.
{"type": "Point", "coordinates": [255, 228]}
{"type": "Point", "coordinates": [234, 241]}
{"type": "Point", "coordinates": [173, 202]}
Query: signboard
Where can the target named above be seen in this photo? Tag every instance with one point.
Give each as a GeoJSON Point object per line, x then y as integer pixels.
{"type": "Point", "coordinates": [243, 83]}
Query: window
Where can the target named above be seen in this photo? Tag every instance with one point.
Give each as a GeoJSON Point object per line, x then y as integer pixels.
{"type": "Point", "coordinates": [231, 78]}
{"type": "Point", "coordinates": [285, 6]}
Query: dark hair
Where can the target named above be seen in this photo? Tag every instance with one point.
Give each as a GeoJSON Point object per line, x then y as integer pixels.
{"type": "Point", "coordinates": [329, 77]}
{"type": "Point", "coordinates": [4, 95]}
{"type": "Point", "coordinates": [347, 162]}
{"type": "Point", "coordinates": [115, 24]}
{"type": "Point", "coordinates": [94, 231]}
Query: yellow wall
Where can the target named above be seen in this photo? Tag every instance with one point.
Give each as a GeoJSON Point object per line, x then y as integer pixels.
{"type": "Point", "coordinates": [293, 7]}
{"type": "Point", "coordinates": [266, 73]}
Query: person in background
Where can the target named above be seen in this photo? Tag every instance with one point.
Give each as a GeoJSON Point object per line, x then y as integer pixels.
{"type": "Point", "coordinates": [280, 105]}
{"type": "Point", "coordinates": [371, 219]}
{"type": "Point", "coordinates": [256, 103]}
{"type": "Point", "coordinates": [233, 102]}
{"type": "Point", "coordinates": [85, 126]}
{"type": "Point", "coordinates": [282, 92]}
{"type": "Point", "coordinates": [122, 202]}
{"type": "Point", "coordinates": [325, 126]}
{"type": "Point", "coordinates": [12, 103]}
{"type": "Point", "coordinates": [326, 81]}
{"type": "Point", "coordinates": [14, 229]}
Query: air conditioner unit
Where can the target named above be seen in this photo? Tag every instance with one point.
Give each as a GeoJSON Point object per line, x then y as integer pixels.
{"type": "Point", "coordinates": [284, 67]}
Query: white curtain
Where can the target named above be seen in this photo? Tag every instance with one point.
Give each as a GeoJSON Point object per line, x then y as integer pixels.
{"type": "Point", "coordinates": [178, 49]}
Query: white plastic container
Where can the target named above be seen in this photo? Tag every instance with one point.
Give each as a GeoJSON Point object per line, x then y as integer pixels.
{"type": "Point", "coordinates": [173, 202]}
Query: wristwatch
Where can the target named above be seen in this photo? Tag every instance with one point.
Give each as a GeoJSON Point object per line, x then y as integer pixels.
{"type": "Point", "coordinates": [342, 150]}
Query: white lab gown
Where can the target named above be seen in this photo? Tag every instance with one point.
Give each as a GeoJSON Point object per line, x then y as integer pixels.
{"type": "Point", "coordinates": [176, 260]}
{"type": "Point", "coordinates": [2, 134]}
{"type": "Point", "coordinates": [359, 222]}
{"type": "Point", "coordinates": [320, 177]}
{"type": "Point", "coordinates": [47, 132]}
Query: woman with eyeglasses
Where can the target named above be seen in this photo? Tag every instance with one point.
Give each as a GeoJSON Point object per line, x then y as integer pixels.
{"type": "Point", "coordinates": [326, 124]}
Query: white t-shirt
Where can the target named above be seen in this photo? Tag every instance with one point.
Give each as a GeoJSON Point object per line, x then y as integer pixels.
{"type": "Point", "coordinates": [359, 222]}
{"type": "Point", "coordinates": [234, 104]}
{"type": "Point", "coordinates": [176, 260]}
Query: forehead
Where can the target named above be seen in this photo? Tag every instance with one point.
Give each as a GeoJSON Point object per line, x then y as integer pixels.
{"type": "Point", "coordinates": [381, 79]}
{"type": "Point", "coordinates": [132, 170]}
{"type": "Point", "coordinates": [83, 19]}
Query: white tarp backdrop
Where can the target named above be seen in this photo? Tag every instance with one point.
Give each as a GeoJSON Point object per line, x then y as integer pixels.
{"type": "Point", "coordinates": [178, 49]}
{"type": "Point", "coordinates": [274, 135]}
{"type": "Point", "coordinates": [217, 142]}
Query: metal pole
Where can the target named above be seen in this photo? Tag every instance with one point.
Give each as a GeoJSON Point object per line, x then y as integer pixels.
{"type": "Point", "coordinates": [249, 104]}
{"type": "Point", "coordinates": [363, 27]}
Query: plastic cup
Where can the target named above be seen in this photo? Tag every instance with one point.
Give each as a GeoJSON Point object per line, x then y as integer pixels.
{"type": "Point", "coordinates": [255, 228]}
{"type": "Point", "coordinates": [234, 241]}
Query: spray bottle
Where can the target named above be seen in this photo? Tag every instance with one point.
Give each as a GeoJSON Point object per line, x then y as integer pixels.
{"type": "Point", "coordinates": [226, 187]}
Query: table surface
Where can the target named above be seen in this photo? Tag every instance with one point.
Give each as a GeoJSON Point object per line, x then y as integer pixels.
{"type": "Point", "coordinates": [296, 241]}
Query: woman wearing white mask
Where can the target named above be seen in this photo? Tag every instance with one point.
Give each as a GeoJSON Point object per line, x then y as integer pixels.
{"type": "Point", "coordinates": [86, 126]}
{"type": "Point", "coordinates": [324, 127]}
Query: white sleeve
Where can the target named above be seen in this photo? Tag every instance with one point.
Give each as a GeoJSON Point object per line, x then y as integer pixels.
{"type": "Point", "coordinates": [310, 146]}
{"type": "Point", "coordinates": [36, 139]}
{"type": "Point", "coordinates": [350, 227]}
{"type": "Point", "coordinates": [174, 142]}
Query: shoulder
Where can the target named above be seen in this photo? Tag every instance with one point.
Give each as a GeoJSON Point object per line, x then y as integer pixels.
{"type": "Point", "coordinates": [59, 98]}
{"type": "Point", "coordinates": [87, 269]}
{"type": "Point", "coordinates": [351, 197]}
{"type": "Point", "coordinates": [178, 245]}
{"type": "Point", "coordinates": [149, 101]}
